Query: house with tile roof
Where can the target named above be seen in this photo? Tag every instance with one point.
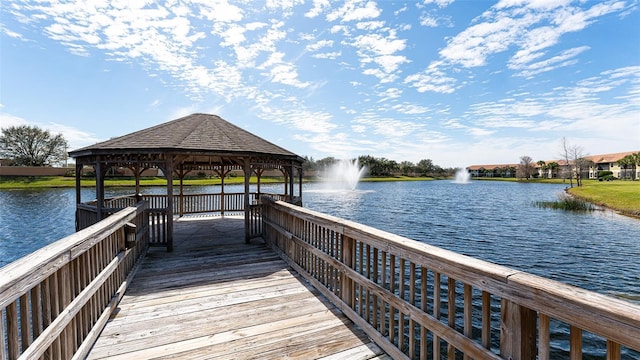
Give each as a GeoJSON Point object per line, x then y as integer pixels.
{"type": "Point", "coordinates": [596, 163]}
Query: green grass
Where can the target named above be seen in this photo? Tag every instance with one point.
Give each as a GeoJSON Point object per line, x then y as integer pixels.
{"type": "Point", "coordinates": [30, 182]}
{"type": "Point", "coordinates": [623, 196]}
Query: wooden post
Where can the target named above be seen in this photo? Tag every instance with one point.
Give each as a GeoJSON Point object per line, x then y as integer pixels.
{"type": "Point", "coordinates": [291, 183]}
{"type": "Point", "coordinates": [517, 332]}
{"type": "Point", "coordinates": [181, 173]}
{"type": "Point", "coordinates": [222, 176]}
{"type": "Point", "coordinates": [247, 210]}
{"type": "Point", "coordinates": [78, 192]}
{"type": "Point", "coordinates": [346, 291]}
{"type": "Point", "coordinates": [300, 175]}
{"type": "Point", "coordinates": [169, 174]}
{"type": "Point", "coordinates": [99, 187]}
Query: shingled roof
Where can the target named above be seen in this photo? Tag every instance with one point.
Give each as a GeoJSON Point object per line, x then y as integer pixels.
{"type": "Point", "coordinates": [195, 133]}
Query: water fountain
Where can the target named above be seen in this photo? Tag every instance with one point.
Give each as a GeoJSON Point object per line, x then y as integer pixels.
{"type": "Point", "coordinates": [462, 177]}
{"type": "Point", "coordinates": [344, 175]}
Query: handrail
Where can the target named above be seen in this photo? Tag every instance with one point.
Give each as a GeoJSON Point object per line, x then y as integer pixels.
{"type": "Point", "coordinates": [417, 300]}
{"type": "Point", "coordinates": [55, 301]}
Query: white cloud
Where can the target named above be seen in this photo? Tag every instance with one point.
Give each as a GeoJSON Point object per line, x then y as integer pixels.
{"type": "Point", "coordinates": [432, 79]}
{"type": "Point", "coordinates": [319, 45]}
{"type": "Point", "coordinates": [354, 10]}
{"type": "Point", "coordinates": [378, 44]}
{"type": "Point", "coordinates": [318, 7]}
{"type": "Point", "coordinates": [440, 3]}
{"type": "Point", "coordinates": [75, 137]}
{"type": "Point", "coordinates": [330, 55]}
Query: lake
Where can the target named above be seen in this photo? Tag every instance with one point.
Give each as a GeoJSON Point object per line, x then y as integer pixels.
{"type": "Point", "coordinates": [491, 220]}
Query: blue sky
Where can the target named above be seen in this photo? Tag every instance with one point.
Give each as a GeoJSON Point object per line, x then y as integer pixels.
{"type": "Point", "coordinates": [458, 82]}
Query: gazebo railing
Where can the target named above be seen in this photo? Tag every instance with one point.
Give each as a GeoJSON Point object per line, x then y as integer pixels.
{"type": "Point", "coordinates": [55, 301]}
{"type": "Point", "coordinates": [418, 301]}
{"type": "Point", "coordinates": [185, 204]}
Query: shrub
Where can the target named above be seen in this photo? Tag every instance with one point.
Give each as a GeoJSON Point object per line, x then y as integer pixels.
{"type": "Point", "coordinates": [603, 173]}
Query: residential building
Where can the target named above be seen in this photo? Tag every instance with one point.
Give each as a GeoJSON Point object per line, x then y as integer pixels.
{"type": "Point", "coordinates": [560, 168]}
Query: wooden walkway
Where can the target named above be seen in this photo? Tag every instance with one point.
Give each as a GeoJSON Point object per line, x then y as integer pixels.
{"type": "Point", "coordinates": [215, 297]}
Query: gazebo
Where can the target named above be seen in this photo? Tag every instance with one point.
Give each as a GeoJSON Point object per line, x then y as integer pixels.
{"type": "Point", "coordinates": [197, 142]}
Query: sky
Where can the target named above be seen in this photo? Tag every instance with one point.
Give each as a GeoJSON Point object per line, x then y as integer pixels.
{"type": "Point", "coordinates": [457, 82]}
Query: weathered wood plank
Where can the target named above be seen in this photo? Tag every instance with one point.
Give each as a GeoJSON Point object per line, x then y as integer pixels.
{"type": "Point", "coordinates": [216, 297]}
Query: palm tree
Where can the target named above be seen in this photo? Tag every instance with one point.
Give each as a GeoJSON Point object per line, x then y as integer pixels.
{"type": "Point", "coordinates": [553, 166]}
{"type": "Point", "coordinates": [624, 164]}
{"type": "Point", "coordinates": [542, 166]}
{"type": "Point", "coordinates": [635, 163]}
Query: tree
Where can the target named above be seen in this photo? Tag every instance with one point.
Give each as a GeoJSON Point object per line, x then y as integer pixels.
{"type": "Point", "coordinates": [628, 162]}
{"type": "Point", "coordinates": [31, 146]}
{"type": "Point", "coordinates": [425, 167]}
{"type": "Point", "coordinates": [525, 168]}
{"type": "Point", "coordinates": [407, 168]}
{"type": "Point", "coordinates": [570, 154]}
{"type": "Point", "coordinates": [543, 166]}
{"type": "Point", "coordinates": [553, 166]}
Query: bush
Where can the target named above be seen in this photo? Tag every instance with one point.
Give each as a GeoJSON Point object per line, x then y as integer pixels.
{"type": "Point", "coordinates": [604, 173]}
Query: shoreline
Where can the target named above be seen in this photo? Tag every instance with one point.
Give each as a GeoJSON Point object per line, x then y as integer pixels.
{"type": "Point", "coordinates": [622, 197]}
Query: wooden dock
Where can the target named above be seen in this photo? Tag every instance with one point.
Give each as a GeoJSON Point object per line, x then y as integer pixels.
{"type": "Point", "coordinates": [216, 297]}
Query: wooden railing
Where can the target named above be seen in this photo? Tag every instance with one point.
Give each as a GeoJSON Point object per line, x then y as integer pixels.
{"type": "Point", "coordinates": [200, 203]}
{"type": "Point", "coordinates": [418, 301]}
{"type": "Point", "coordinates": [87, 213]}
{"type": "Point", "coordinates": [55, 301]}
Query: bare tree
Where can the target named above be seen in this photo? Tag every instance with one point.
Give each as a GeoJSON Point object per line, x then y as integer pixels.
{"type": "Point", "coordinates": [575, 160]}
{"type": "Point", "coordinates": [566, 156]}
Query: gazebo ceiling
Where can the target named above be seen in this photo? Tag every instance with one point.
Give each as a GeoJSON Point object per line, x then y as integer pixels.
{"type": "Point", "coordinates": [196, 139]}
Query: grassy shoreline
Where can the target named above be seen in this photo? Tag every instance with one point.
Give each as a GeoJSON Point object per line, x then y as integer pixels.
{"type": "Point", "coordinates": [44, 182]}
{"type": "Point", "coordinates": [620, 196]}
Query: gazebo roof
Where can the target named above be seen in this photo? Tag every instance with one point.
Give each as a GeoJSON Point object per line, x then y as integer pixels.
{"type": "Point", "coordinates": [202, 134]}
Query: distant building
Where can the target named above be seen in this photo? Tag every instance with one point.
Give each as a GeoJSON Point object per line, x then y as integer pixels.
{"type": "Point", "coordinates": [596, 163]}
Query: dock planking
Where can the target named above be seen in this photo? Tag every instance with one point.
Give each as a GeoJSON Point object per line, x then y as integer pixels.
{"type": "Point", "coordinates": [216, 297]}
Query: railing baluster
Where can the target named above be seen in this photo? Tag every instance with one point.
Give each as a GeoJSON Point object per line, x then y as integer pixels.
{"type": "Point", "coordinates": [25, 321]}
{"type": "Point", "coordinates": [575, 343]}
{"type": "Point", "coordinates": [425, 307]}
{"type": "Point", "coordinates": [376, 279]}
{"type": "Point", "coordinates": [412, 301]}
{"type": "Point", "coordinates": [13, 340]}
{"type": "Point", "coordinates": [451, 314]}
{"type": "Point", "coordinates": [486, 320]}
{"type": "Point", "coordinates": [401, 292]}
{"type": "Point", "coordinates": [613, 350]}
{"type": "Point", "coordinates": [468, 314]}
{"type": "Point", "coordinates": [544, 337]}
{"type": "Point", "coordinates": [436, 313]}
{"type": "Point", "coordinates": [392, 288]}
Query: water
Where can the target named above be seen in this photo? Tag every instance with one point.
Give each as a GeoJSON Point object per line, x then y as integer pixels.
{"type": "Point", "coordinates": [496, 222]}
{"type": "Point", "coordinates": [490, 220]}
{"type": "Point", "coordinates": [493, 221]}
